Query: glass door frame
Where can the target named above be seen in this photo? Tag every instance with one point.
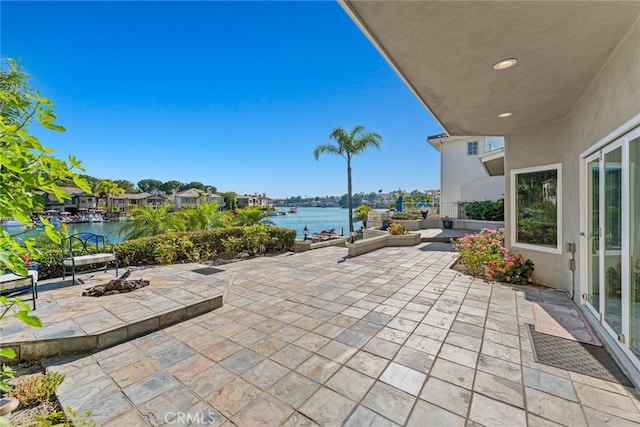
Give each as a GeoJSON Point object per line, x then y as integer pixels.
{"type": "Point", "coordinates": [621, 142]}
{"type": "Point", "coordinates": [588, 250]}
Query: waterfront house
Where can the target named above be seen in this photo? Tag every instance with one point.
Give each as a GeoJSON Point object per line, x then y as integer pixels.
{"type": "Point", "coordinates": [124, 202]}
{"type": "Point", "coordinates": [466, 174]}
{"type": "Point", "coordinates": [80, 200]}
{"type": "Point", "coordinates": [193, 197]}
{"type": "Point", "coordinates": [255, 201]}
{"type": "Point", "coordinates": [561, 82]}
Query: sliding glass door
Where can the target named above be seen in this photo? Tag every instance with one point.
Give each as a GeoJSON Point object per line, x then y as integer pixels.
{"type": "Point", "coordinates": [612, 252]}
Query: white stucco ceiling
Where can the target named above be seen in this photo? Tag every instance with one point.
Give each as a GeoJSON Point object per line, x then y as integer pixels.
{"type": "Point", "coordinates": [445, 51]}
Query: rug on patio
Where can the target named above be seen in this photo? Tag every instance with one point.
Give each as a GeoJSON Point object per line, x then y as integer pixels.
{"type": "Point", "coordinates": [563, 321]}
{"type": "Point", "coordinates": [575, 356]}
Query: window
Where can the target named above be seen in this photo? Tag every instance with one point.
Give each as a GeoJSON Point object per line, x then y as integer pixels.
{"type": "Point", "coordinates": [472, 148]}
{"type": "Point", "coordinates": [536, 208]}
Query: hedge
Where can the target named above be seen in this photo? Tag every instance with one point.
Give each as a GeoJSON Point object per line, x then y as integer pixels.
{"type": "Point", "coordinates": [486, 210]}
{"type": "Point", "coordinates": [171, 248]}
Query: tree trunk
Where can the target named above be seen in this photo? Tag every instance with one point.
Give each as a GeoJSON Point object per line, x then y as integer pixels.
{"type": "Point", "coordinates": [349, 196]}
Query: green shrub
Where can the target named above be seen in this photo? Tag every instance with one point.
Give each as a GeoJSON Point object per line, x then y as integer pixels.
{"type": "Point", "coordinates": [404, 216]}
{"type": "Point", "coordinates": [256, 237]}
{"type": "Point", "coordinates": [486, 210]}
{"type": "Point", "coordinates": [513, 269]}
{"type": "Point", "coordinates": [181, 247]}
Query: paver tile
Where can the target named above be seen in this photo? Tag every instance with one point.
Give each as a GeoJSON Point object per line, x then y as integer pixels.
{"type": "Point", "coordinates": [265, 374]}
{"type": "Point", "coordinates": [551, 384]}
{"type": "Point", "coordinates": [607, 402]}
{"type": "Point", "coordinates": [553, 408]}
{"type": "Point", "coordinates": [318, 368]}
{"type": "Point", "coordinates": [390, 402]}
{"type": "Point", "coordinates": [448, 396]}
{"type": "Point", "coordinates": [349, 383]}
{"type": "Point", "coordinates": [233, 396]}
{"type": "Point", "coordinates": [264, 410]}
{"type": "Point", "coordinates": [490, 412]}
{"type": "Point", "coordinates": [291, 356]}
{"type": "Point", "coordinates": [499, 388]}
{"type": "Point", "coordinates": [404, 378]}
{"type": "Point", "coordinates": [367, 363]}
{"type": "Point", "coordinates": [326, 407]}
{"type": "Point", "coordinates": [453, 373]}
{"type": "Point", "coordinates": [294, 389]}
{"type": "Point", "coordinates": [435, 415]}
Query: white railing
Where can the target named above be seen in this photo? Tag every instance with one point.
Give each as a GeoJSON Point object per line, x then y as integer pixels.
{"type": "Point", "coordinates": [452, 210]}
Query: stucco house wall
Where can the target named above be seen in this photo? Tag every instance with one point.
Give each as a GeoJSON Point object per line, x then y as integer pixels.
{"type": "Point", "coordinates": [611, 100]}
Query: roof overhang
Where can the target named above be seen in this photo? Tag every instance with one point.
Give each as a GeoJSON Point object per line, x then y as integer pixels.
{"type": "Point", "coordinates": [493, 162]}
{"type": "Point", "coordinates": [445, 52]}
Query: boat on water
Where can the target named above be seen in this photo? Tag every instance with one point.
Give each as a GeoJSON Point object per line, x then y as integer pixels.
{"type": "Point", "coordinates": [10, 222]}
{"type": "Point", "coordinates": [293, 210]}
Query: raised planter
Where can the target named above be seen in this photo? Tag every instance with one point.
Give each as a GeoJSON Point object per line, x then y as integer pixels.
{"type": "Point", "coordinates": [377, 239]}
{"type": "Point", "coordinates": [307, 245]}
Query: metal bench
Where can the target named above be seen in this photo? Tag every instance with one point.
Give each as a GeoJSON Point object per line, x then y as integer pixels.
{"type": "Point", "coordinates": [12, 284]}
{"type": "Point", "coordinates": [86, 249]}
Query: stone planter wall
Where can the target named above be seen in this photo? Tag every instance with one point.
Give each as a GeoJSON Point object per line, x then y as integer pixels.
{"type": "Point", "coordinates": [378, 241]}
{"type": "Point", "coordinates": [306, 245]}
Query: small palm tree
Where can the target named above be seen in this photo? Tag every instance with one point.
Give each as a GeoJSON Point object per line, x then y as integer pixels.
{"type": "Point", "coordinates": [149, 221]}
{"type": "Point", "coordinates": [205, 216]}
{"type": "Point", "coordinates": [348, 145]}
{"type": "Point", "coordinates": [251, 216]}
{"type": "Point", "coordinates": [361, 213]}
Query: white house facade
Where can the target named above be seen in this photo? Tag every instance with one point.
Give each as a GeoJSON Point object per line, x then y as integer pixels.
{"type": "Point", "coordinates": [463, 176]}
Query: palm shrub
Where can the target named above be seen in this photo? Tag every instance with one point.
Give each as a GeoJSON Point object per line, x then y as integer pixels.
{"type": "Point", "coordinates": [256, 237]}
{"type": "Point", "coordinates": [251, 216]}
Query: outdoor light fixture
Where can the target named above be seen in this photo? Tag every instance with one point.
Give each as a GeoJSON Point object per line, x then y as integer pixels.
{"type": "Point", "coordinates": [305, 232]}
{"type": "Point", "coordinates": [503, 115]}
{"type": "Point", "coordinates": [505, 63]}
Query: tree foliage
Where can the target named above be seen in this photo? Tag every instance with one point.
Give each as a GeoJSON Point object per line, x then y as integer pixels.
{"type": "Point", "coordinates": [251, 216]}
{"type": "Point", "coordinates": [361, 213]}
{"type": "Point", "coordinates": [26, 165]}
{"type": "Point", "coordinates": [349, 144]}
{"type": "Point", "coordinates": [150, 185]}
{"type": "Point", "coordinates": [149, 221]}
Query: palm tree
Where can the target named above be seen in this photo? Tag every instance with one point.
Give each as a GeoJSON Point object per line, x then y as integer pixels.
{"type": "Point", "coordinates": [108, 188]}
{"type": "Point", "coordinates": [205, 216]}
{"type": "Point", "coordinates": [252, 216]}
{"type": "Point", "coordinates": [149, 221]}
{"type": "Point", "coordinates": [348, 145]}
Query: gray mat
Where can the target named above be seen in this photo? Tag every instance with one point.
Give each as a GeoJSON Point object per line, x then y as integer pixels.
{"type": "Point", "coordinates": [207, 270]}
{"type": "Point", "coordinates": [575, 356]}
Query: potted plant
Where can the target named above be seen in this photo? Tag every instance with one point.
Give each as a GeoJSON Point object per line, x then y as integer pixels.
{"type": "Point", "coordinates": [447, 223]}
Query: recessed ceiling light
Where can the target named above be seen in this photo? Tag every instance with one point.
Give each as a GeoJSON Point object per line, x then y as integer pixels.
{"type": "Point", "coordinates": [505, 115]}
{"type": "Point", "coordinates": [505, 63]}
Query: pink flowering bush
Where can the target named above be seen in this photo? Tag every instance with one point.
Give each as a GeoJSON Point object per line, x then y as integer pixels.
{"type": "Point", "coordinates": [484, 255]}
{"type": "Point", "coordinates": [477, 250]}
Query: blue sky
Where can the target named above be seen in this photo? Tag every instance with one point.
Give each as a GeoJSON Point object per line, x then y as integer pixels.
{"type": "Point", "coordinates": [231, 94]}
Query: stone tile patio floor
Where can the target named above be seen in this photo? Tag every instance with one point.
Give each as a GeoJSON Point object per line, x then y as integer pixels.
{"type": "Point", "coordinates": [392, 337]}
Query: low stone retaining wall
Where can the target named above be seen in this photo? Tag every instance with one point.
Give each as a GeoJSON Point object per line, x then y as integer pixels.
{"type": "Point", "coordinates": [377, 239]}
{"type": "Point", "coordinates": [307, 245]}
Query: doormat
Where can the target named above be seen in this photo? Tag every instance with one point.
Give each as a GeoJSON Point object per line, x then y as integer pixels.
{"type": "Point", "coordinates": [207, 270]}
{"type": "Point", "coordinates": [563, 321]}
{"type": "Point", "coordinates": [575, 356]}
